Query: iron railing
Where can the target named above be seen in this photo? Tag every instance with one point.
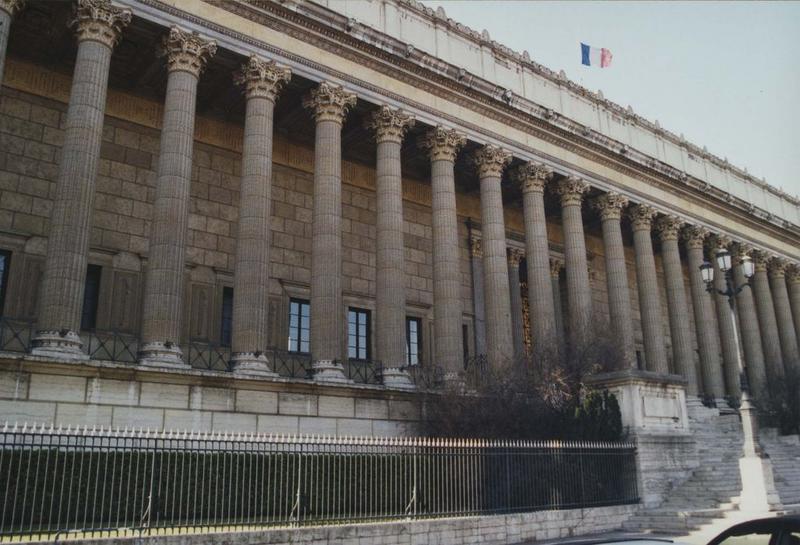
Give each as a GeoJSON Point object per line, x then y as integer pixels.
{"type": "Point", "coordinates": [15, 334]}
{"type": "Point", "coordinates": [104, 482]}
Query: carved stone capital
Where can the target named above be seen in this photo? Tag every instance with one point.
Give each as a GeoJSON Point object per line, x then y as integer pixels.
{"type": "Point", "coordinates": [555, 267]}
{"type": "Point", "coordinates": [719, 242]}
{"type": "Point", "coordinates": [187, 51]}
{"type": "Point", "coordinates": [668, 227]}
{"type": "Point", "coordinates": [777, 267]}
{"type": "Point", "coordinates": [515, 255]}
{"type": "Point", "coordinates": [329, 102]}
{"type": "Point", "coordinates": [475, 246]}
{"type": "Point", "coordinates": [442, 144]}
{"type": "Point", "coordinates": [262, 78]}
{"type": "Point", "coordinates": [11, 6]}
{"type": "Point", "coordinates": [390, 125]}
{"type": "Point", "coordinates": [571, 190]}
{"type": "Point", "coordinates": [740, 250]}
{"type": "Point", "coordinates": [610, 206]}
{"type": "Point", "coordinates": [490, 161]}
{"type": "Point", "coordinates": [98, 21]}
{"type": "Point", "coordinates": [532, 176]}
{"type": "Point", "coordinates": [695, 236]}
{"type": "Point", "coordinates": [760, 260]}
{"type": "Point", "coordinates": [793, 273]}
{"type": "Point", "coordinates": [641, 216]}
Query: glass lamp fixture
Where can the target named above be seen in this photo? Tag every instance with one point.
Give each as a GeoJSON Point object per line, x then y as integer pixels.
{"type": "Point", "coordinates": [723, 260]}
{"type": "Point", "coordinates": [707, 272]}
{"type": "Point", "coordinates": [748, 267]}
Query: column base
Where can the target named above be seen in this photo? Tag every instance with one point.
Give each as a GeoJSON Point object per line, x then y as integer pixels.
{"type": "Point", "coordinates": [758, 485]}
{"type": "Point", "coordinates": [397, 378]}
{"type": "Point", "coordinates": [248, 364]}
{"type": "Point", "coordinates": [329, 371]}
{"type": "Point", "coordinates": [162, 354]}
{"type": "Point", "coordinates": [62, 345]}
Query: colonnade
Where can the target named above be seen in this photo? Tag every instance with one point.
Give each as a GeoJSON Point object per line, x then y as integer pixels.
{"type": "Point", "coordinates": [769, 315]}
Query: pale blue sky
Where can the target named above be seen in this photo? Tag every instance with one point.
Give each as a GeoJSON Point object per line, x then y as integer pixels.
{"type": "Point", "coordinates": [725, 74]}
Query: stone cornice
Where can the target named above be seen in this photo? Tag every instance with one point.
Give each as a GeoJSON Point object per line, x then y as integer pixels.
{"type": "Point", "coordinates": [442, 144]}
{"type": "Point", "coordinates": [262, 78]}
{"type": "Point", "coordinates": [610, 206]}
{"type": "Point", "coordinates": [490, 161]}
{"type": "Point", "coordinates": [389, 125]}
{"type": "Point", "coordinates": [187, 51]}
{"type": "Point", "coordinates": [99, 21]}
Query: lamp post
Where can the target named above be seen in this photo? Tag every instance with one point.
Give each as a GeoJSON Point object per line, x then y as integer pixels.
{"type": "Point", "coordinates": [758, 488]}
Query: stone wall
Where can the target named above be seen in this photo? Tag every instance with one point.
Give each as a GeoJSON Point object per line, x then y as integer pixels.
{"type": "Point", "coordinates": [665, 461]}
{"type": "Point", "coordinates": [490, 530]}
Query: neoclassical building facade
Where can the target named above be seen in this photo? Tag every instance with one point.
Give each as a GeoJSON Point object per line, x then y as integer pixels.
{"type": "Point", "coordinates": [264, 215]}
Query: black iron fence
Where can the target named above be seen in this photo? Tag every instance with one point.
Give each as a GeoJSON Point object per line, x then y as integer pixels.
{"type": "Point", "coordinates": [104, 482]}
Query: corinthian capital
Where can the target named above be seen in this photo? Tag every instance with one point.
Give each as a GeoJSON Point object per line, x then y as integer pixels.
{"type": "Point", "coordinates": [515, 255]}
{"type": "Point", "coordinates": [475, 246]}
{"type": "Point", "coordinates": [389, 125]}
{"type": "Point", "coordinates": [641, 216]}
{"type": "Point", "coordinates": [442, 144]}
{"type": "Point", "coordinates": [695, 236]}
{"type": "Point", "coordinates": [532, 176]}
{"type": "Point", "coordinates": [740, 250]}
{"type": "Point", "coordinates": [262, 78]}
{"type": "Point", "coordinates": [777, 267]}
{"type": "Point", "coordinates": [760, 260]}
{"type": "Point", "coordinates": [329, 102]}
{"type": "Point", "coordinates": [555, 267]}
{"type": "Point", "coordinates": [98, 21]}
{"type": "Point", "coordinates": [11, 6]}
{"type": "Point", "coordinates": [490, 161]}
{"type": "Point", "coordinates": [668, 227]}
{"type": "Point", "coordinates": [187, 51]}
{"type": "Point", "coordinates": [793, 273]}
{"type": "Point", "coordinates": [610, 206]}
{"type": "Point", "coordinates": [719, 242]}
{"type": "Point", "coordinates": [571, 190]}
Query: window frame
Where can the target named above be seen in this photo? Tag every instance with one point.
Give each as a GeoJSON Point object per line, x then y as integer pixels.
{"type": "Point", "coordinates": [418, 322]}
{"type": "Point", "coordinates": [6, 254]}
{"type": "Point", "coordinates": [366, 339]}
{"type": "Point", "coordinates": [298, 329]}
{"type": "Point", "coordinates": [93, 312]}
{"type": "Point", "coordinates": [223, 341]}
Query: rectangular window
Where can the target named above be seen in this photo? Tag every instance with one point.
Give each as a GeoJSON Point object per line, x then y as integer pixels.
{"type": "Point", "coordinates": [91, 296]}
{"type": "Point", "coordinates": [5, 261]}
{"type": "Point", "coordinates": [227, 317]}
{"type": "Point", "coordinates": [299, 325]}
{"type": "Point", "coordinates": [413, 341]}
{"type": "Point", "coordinates": [358, 334]}
{"type": "Point", "coordinates": [465, 342]}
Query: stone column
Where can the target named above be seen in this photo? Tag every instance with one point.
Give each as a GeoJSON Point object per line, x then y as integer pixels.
{"type": "Point", "coordinates": [770, 339]}
{"type": "Point", "coordinates": [748, 327]}
{"type": "Point", "coordinates": [710, 365]}
{"type": "Point", "coordinates": [443, 145]}
{"type": "Point", "coordinates": [727, 336]}
{"type": "Point", "coordinates": [793, 279]}
{"type": "Point", "coordinates": [98, 25]}
{"type": "Point", "coordinates": [668, 228]}
{"type": "Point", "coordinates": [187, 54]}
{"type": "Point", "coordinates": [7, 10]}
{"type": "Point", "coordinates": [610, 206]}
{"type": "Point", "coordinates": [641, 216]}
{"type": "Point", "coordinates": [517, 325]}
{"type": "Point", "coordinates": [490, 162]}
{"type": "Point", "coordinates": [532, 178]}
{"type": "Point", "coordinates": [555, 292]}
{"type": "Point", "coordinates": [783, 314]}
{"type": "Point", "coordinates": [329, 104]}
{"type": "Point", "coordinates": [579, 291]}
{"type": "Point", "coordinates": [390, 295]}
{"type": "Point", "coordinates": [263, 80]}
{"type": "Point", "coordinates": [476, 266]}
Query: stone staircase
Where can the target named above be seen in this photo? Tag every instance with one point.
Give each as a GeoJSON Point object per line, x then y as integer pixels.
{"type": "Point", "coordinates": [785, 455]}
{"type": "Point", "coordinates": [707, 502]}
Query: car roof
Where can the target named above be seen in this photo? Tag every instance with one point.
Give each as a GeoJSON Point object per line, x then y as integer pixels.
{"type": "Point", "coordinates": [786, 521]}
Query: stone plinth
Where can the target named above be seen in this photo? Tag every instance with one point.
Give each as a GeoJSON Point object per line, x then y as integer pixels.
{"type": "Point", "coordinates": [649, 402]}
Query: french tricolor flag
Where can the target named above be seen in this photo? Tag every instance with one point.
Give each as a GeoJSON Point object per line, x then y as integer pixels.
{"type": "Point", "coordinates": [595, 56]}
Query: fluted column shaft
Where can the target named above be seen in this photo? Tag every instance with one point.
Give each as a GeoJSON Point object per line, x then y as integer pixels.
{"type": "Point", "coordinates": [98, 29]}
{"type": "Point", "coordinates": [710, 365]}
{"type": "Point", "coordinates": [7, 10]}
{"type": "Point", "coordinates": [783, 315]}
{"type": "Point", "coordinates": [490, 161]}
{"type": "Point", "coordinates": [677, 306]}
{"type": "Point", "coordinates": [610, 207]}
{"type": "Point", "coordinates": [532, 178]}
{"type": "Point", "coordinates": [443, 145]}
{"type": "Point", "coordinates": [476, 266]}
{"type": "Point", "coordinates": [579, 292]}
{"type": "Point", "coordinates": [793, 278]}
{"type": "Point", "coordinates": [748, 329]}
{"type": "Point", "coordinates": [770, 339]}
{"type": "Point", "coordinates": [647, 283]}
{"type": "Point", "coordinates": [517, 325]}
{"type": "Point", "coordinates": [249, 337]}
{"type": "Point", "coordinates": [390, 300]}
{"type": "Point", "coordinates": [555, 293]}
{"type": "Point", "coordinates": [727, 335]}
{"type": "Point", "coordinates": [163, 294]}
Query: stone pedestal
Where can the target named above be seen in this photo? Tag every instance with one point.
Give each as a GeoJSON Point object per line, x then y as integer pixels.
{"type": "Point", "coordinates": [649, 402]}
{"type": "Point", "coordinates": [329, 371]}
{"type": "Point", "coordinates": [397, 378]}
{"type": "Point", "coordinates": [251, 364]}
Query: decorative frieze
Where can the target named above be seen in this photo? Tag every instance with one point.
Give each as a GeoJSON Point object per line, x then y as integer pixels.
{"type": "Point", "coordinates": [610, 206]}
{"type": "Point", "coordinates": [442, 144]}
{"type": "Point", "coordinates": [490, 161]}
{"type": "Point", "coordinates": [262, 78]}
{"type": "Point", "coordinates": [98, 20]}
{"type": "Point", "coordinates": [532, 176]}
{"type": "Point", "coordinates": [571, 190]}
{"type": "Point", "coordinates": [329, 102]}
{"type": "Point", "coordinates": [641, 216]}
{"type": "Point", "coordinates": [668, 227]}
{"type": "Point", "coordinates": [187, 51]}
{"type": "Point", "coordinates": [390, 125]}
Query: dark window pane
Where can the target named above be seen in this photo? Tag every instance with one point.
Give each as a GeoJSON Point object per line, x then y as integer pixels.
{"type": "Point", "coordinates": [358, 341]}
{"type": "Point", "coordinates": [91, 296]}
{"type": "Point", "coordinates": [227, 317]}
{"type": "Point", "coordinates": [299, 311]}
{"type": "Point", "coordinates": [5, 261]}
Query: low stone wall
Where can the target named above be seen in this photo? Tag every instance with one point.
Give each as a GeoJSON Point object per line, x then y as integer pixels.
{"type": "Point", "coordinates": [664, 461]}
{"type": "Point", "coordinates": [489, 530]}
{"type": "Point", "coordinates": [93, 394]}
